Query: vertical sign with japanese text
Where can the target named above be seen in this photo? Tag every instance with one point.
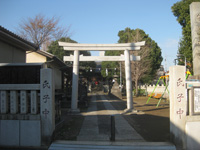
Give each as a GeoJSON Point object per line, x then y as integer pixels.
{"type": "Point", "coordinates": [178, 102]}
{"type": "Point", "coordinates": [47, 100]}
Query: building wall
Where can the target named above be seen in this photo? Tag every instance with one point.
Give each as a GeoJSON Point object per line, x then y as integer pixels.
{"type": "Point", "coordinates": [11, 54]}
{"type": "Point", "coordinates": [33, 57]}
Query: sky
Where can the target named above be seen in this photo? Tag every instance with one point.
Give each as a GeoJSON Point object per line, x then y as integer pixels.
{"type": "Point", "coordinates": [99, 21]}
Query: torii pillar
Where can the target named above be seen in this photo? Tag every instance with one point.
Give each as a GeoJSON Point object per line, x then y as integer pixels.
{"type": "Point", "coordinates": [101, 47]}
{"type": "Point", "coordinates": [74, 101]}
{"type": "Point", "coordinates": [129, 90]}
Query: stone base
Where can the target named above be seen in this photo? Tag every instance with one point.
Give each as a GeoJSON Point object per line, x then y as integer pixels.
{"type": "Point", "coordinates": [132, 111]}
{"type": "Point", "coordinates": [20, 133]}
{"type": "Point", "coordinates": [74, 111]}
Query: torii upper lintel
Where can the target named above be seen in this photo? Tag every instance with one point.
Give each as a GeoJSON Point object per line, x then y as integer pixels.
{"type": "Point", "coordinates": [76, 47]}
{"type": "Point", "coordinates": [101, 47]}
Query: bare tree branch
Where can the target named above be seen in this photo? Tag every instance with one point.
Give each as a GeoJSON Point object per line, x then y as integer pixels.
{"type": "Point", "coordinates": [41, 30]}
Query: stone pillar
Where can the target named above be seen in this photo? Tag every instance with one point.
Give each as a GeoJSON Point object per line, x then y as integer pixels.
{"type": "Point", "coordinates": [14, 103]}
{"type": "Point", "coordinates": [178, 105]}
{"type": "Point", "coordinates": [74, 100]}
{"type": "Point", "coordinates": [195, 30]}
{"type": "Point", "coordinates": [47, 104]}
{"type": "Point", "coordinates": [4, 102]}
{"type": "Point", "coordinates": [34, 102]}
{"type": "Point", "coordinates": [23, 102]}
{"type": "Point", "coordinates": [128, 81]}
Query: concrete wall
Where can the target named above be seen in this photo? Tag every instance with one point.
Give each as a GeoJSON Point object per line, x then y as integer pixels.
{"type": "Point", "coordinates": [20, 133]}
{"type": "Point", "coordinates": [24, 123]}
{"type": "Point", "coordinates": [159, 89]}
{"type": "Point", "coordinates": [192, 134]}
{"type": "Point", "coordinates": [11, 54]}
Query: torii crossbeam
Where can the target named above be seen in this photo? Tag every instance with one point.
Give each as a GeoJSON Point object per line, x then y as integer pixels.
{"type": "Point", "coordinates": [76, 47]}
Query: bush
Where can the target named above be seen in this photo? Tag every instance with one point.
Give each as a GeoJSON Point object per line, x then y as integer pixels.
{"type": "Point", "coordinates": [141, 92]}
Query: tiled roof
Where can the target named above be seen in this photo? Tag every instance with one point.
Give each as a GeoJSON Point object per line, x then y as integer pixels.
{"type": "Point", "coordinates": [7, 35]}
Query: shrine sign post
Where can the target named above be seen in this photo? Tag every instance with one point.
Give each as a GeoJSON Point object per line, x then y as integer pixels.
{"type": "Point", "coordinates": [76, 47]}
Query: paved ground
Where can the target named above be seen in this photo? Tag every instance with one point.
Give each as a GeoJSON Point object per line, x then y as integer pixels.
{"type": "Point", "coordinates": [149, 129]}
{"type": "Point", "coordinates": [96, 125]}
{"type": "Point", "coordinates": [152, 124]}
{"type": "Point", "coordinates": [78, 145]}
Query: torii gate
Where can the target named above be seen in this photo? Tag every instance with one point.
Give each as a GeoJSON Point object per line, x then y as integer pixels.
{"type": "Point", "coordinates": [76, 47]}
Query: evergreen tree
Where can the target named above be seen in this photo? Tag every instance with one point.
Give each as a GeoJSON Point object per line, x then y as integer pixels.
{"type": "Point", "coordinates": [181, 10]}
{"type": "Point", "coordinates": [59, 52]}
{"type": "Point", "coordinates": [145, 69]}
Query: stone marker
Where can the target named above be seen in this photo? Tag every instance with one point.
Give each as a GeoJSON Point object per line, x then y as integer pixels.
{"type": "Point", "coordinates": [178, 104]}
{"type": "Point", "coordinates": [47, 106]}
{"type": "Point", "coordinates": [195, 30]}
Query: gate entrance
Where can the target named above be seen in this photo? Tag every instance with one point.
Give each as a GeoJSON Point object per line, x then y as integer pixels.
{"type": "Point", "coordinates": [126, 47]}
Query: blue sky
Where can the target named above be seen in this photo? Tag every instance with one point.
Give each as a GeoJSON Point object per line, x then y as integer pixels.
{"type": "Point", "coordinates": [99, 21]}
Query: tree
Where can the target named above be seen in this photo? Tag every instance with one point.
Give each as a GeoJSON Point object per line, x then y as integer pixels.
{"type": "Point", "coordinates": [58, 51]}
{"type": "Point", "coordinates": [41, 30]}
{"type": "Point", "coordinates": [150, 55]}
{"type": "Point", "coordinates": [110, 68]}
{"type": "Point", "coordinates": [182, 12]}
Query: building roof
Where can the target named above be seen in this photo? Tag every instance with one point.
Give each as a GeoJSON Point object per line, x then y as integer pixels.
{"type": "Point", "coordinates": [52, 57]}
{"type": "Point", "coordinates": [15, 40]}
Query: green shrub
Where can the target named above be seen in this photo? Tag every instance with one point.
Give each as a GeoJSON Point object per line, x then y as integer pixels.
{"type": "Point", "coordinates": [141, 92]}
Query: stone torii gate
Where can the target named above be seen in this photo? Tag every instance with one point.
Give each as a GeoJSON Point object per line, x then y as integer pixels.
{"type": "Point", "coordinates": [76, 47]}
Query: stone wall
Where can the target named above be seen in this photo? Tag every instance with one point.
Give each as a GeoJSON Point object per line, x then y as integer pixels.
{"type": "Point", "coordinates": [184, 121]}
{"type": "Point", "coordinates": [19, 118]}
{"type": "Point", "coordinates": [27, 112]}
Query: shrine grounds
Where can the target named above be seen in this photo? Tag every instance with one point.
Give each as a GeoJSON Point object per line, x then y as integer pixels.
{"type": "Point", "coordinates": [151, 123]}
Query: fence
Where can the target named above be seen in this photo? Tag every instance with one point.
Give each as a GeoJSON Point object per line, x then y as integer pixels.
{"type": "Point", "coordinates": [159, 89]}
{"type": "Point", "coordinates": [27, 112]}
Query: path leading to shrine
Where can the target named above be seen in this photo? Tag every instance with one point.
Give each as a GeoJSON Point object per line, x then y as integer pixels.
{"type": "Point", "coordinates": [95, 130]}
{"type": "Point", "coordinates": [96, 126]}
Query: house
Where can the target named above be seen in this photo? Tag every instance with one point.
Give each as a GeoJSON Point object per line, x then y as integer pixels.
{"type": "Point", "coordinates": [13, 48]}
{"type": "Point", "coordinates": [27, 93]}
{"type": "Point", "coordinates": [13, 68]}
{"type": "Point", "coordinates": [51, 61]}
